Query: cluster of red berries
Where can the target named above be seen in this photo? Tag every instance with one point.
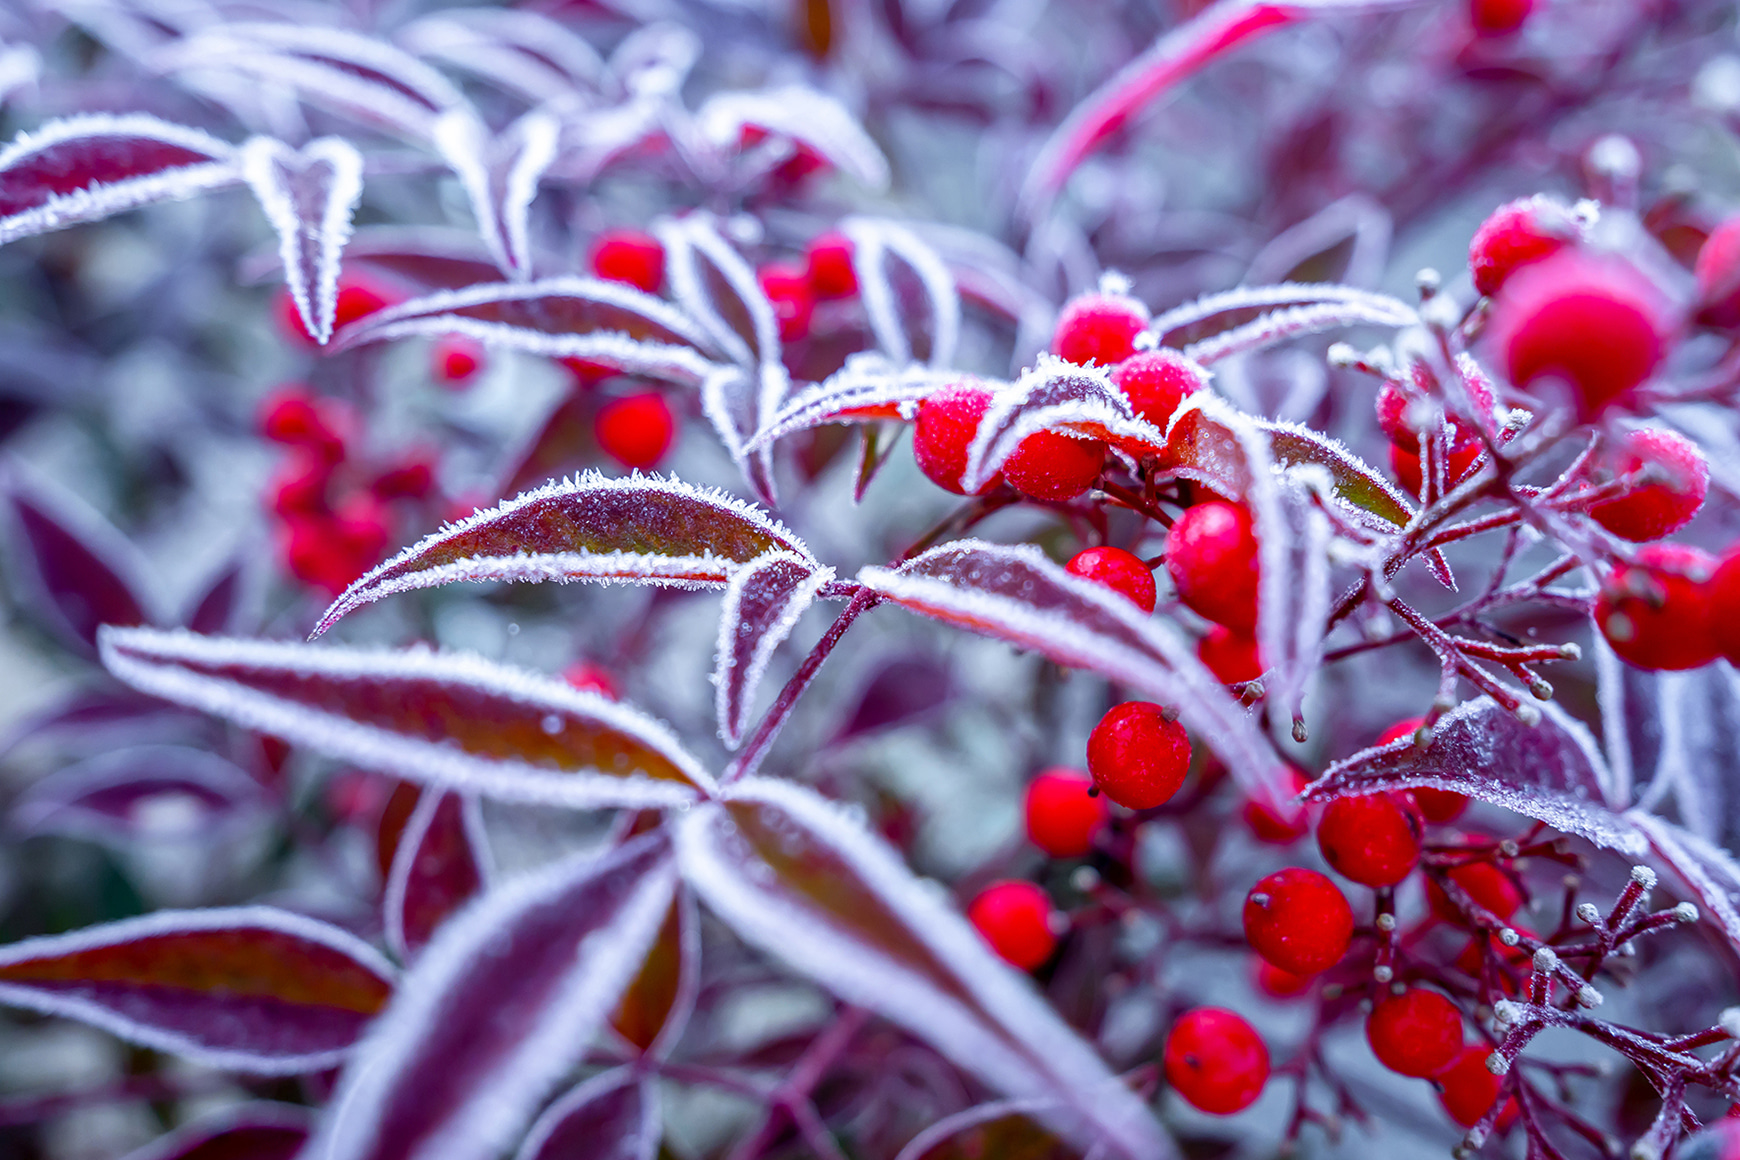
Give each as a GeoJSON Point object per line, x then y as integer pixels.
{"type": "Point", "coordinates": [1672, 606]}
{"type": "Point", "coordinates": [795, 288]}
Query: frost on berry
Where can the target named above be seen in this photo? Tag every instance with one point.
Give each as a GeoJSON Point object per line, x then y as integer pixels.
{"type": "Point", "coordinates": [1215, 1060]}
{"type": "Point", "coordinates": [947, 423]}
{"type": "Point", "coordinates": [1517, 234]}
{"type": "Point", "coordinates": [763, 601]}
{"type": "Point", "coordinates": [1156, 382]}
{"type": "Point", "coordinates": [1098, 329]}
{"type": "Point", "coordinates": [1673, 478]}
{"type": "Point", "coordinates": [1655, 611]}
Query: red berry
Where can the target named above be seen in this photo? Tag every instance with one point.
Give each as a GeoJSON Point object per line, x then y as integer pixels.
{"type": "Point", "coordinates": [1518, 232]}
{"type": "Point", "coordinates": [300, 485]}
{"type": "Point", "coordinates": [788, 288]}
{"type": "Point", "coordinates": [1595, 325]}
{"type": "Point", "coordinates": [1406, 727]}
{"type": "Point", "coordinates": [412, 479]}
{"type": "Point", "coordinates": [1099, 328]}
{"type": "Point", "coordinates": [457, 359]}
{"type": "Point", "coordinates": [1467, 1088]}
{"type": "Point", "coordinates": [1718, 274]}
{"type": "Point", "coordinates": [1417, 1033]}
{"type": "Point", "coordinates": [1118, 570]}
{"type": "Point", "coordinates": [1278, 984]}
{"type": "Point", "coordinates": [1216, 1061]}
{"type": "Point", "coordinates": [1211, 555]}
{"type": "Point", "coordinates": [587, 373]}
{"type": "Point", "coordinates": [1279, 829]}
{"type": "Point", "coordinates": [1655, 611]}
{"type": "Point", "coordinates": [1231, 656]}
{"type": "Point", "coordinates": [1485, 883]}
{"type": "Point", "coordinates": [293, 416]}
{"type": "Point", "coordinates": [357, 298]}
{"type": "Point", "coordinates": [1664, 506]}
{"type": "Point", "coordinates": [1015, 918]}
{"type": "Point", "coordinates": [1406, 464]}
{"type": "Point", "coordinates": [636, 431]}
{"type": "Point", "coordinates": [1373, 839]}
{"type": "Point", "coordinates": [1157, 381]}
{"type": "Point", "coordinates": [944, 431]}
{"type": "Point", "coordinates": [1298, 920]}
{"type": "Point", "coordinates": [1436, 805]}
{"type": "Point", "coordinates": [1063, 817]}
{"type": "Point", "coordinates": [1498, 17]}
{"type": "Point", "coordinates": [629, 256]}
{"type": "Point", "coordinates": [329, 552]}
{"type": "Point", "coordinates": [1137, 757]}
{"type": "Point", "coordinates": [1516, 963]}
{"type": "Point", "coordinates": [1724, 593]}
{"type": "Point", "coordinates": [828, 267]}
{"type": "Point", "coordinates": [591, 678]}
{"type": "Point", "coordinates": [1048, 465]}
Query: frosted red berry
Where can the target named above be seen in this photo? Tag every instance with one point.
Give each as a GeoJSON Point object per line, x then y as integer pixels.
{"type": "Point", "coordinates": [293, 416]}
{"type": "Point", "coordinates": [1435, 805]}
{"type": "Point", "coordinates": [944, 431]}
{"type": "Point", "coordinates": [788, 288]}
{"type": "Point", "coordinates": [1663, 506]}
{"type": "Point", "coordinates": [413, 478]}
{"type": "Point", "coordinates": [1136, 756]}
{"type": "Point", "coordinates": [1594, 325]}
{"type": "Point", "coordinates": [1373, 839]}
{"type": "Point", "coordinates": [1417, 1033]}
{"type": "Point", "coordinates": [1467, 1088]}
{"type": "Point", "coordinates": [1485, 883]}
{"type": "Point", "coordinates": [636, 431]}
{"type": "Point", "coordinates": [1520, 232]}
{"type": "Point", "coordinates": [1724, 597]}
{"type": "Point", "coordinates": [1063, 815]}
{"type": "Point", "coordinates": [828, 267]}
{"type": "Point", "coordinates": [1286, 827]}
{"type": "Point", "coordinates": [1498, 17]}
{"type": "Point", "coordinates": [1231, 656]}
{"type": "Point", "coordinates": [1211, 555]}
{"type": "Point", "coordinates": [1298, 920]}
{"type": "Point", "coordinates": [1655, 612]}
{"type": "Point", "coordinates": [1121, 571]}
{"type": "Point", "coordinates": [1156, 382]}
{"type": "Point", "coordinates": [1099, 328]}
{"type": "Point", "coordinates": [631, 257]}
{"type": "Point", "coordinates": [1216, 1061]}
{"type": "Point", "coordinates": [1051, 466]}
{"type": "Point", "coordinates": [1718, 275]}
{"type": "Point", "coordinates": [1016, 919]}
{"type": "Point", "coordinates": [457, 360]}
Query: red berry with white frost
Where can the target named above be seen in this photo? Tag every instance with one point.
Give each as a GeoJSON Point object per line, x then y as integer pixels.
{"type": "Point", "coordinates": [1298, 920]}
{"type": "Point", "coordinates": [1121, 571]}
{"type": "Point", "coordinates": [1417, 1033]}
{"type": "Point", "coordinates": [943, 433]}
{"type": "Point", "coordinates": [1211, 555]}
{"type": "Point", "coordinates": [1156, 382]}
{"type": "Point", "coordinates": [1519, 232]}
{"type": "Point", "coordinates": [1137, 757]}
{"type": "Point", "coordinates": [1016, 919]}
{"type": "Point", "coordinates": [1678, 479]}
{"type": "Point", "coordinates": [1724, 597]}
{"type": "Point", "coordinates": [1373, 839]}
{"type": "Point", "coordinates": [1063, 814]}
{"type": "Point", "coordinates": [1099, 329]}
{"type": "Point", "coordinates": [1048, 465]}
{"type": "Point", "coordinates": [1655, 612]}
{"type": "Point", "coordinates": [1216, 1061]}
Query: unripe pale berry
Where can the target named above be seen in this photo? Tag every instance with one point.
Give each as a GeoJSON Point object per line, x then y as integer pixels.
{"type": "Point", "coordinates": [1724, 595]}
{"type": "Point", "coordinates": [636, 431]}
{"type": "Point", "coordinates": [1298, 920]}
{"type": "Point", "coordinates": [828, 267]}
{"type": "Point", "coordinates": [1216, 1061]}
{"type": "Point", "coordinates": [1417, 1033]}
{"type": "Point", "coordinates": [1519, 232]}
{"type": "Point", "coordinates": [1118, 570]}
{"type": "Point", "coordinates": [1485, 883]}
{"type": "Point", "coordinates": [1211, 555]}
{"type": "Point", "coordinates": [1593, 324]}
{"type": "Point", "coordinates": [1052, 466]}
{"type": "Point", "coordinates": [631, 257]}
{"type": "Point", "coordinates": [1015, 918]}
{"type": "Point", "coordinates": [1137, 757]}
{"type": "Point", "coordinates": [1664, 506]}
{"type": "Point", "coordinates": [943, 433]}
{"type": "Point", "coordinates": [1063, 817]}
{"type": "Point", "coordinates": [1231, 656]}
{"type": "Point", "coordinates": [1468, 1089]}
{"type": "Point", "coordinates": [1435, 805]}
{"type": "Point", "coordinates": [1156, 381]}
{"type": "Point", "coordinates": [787, 287]}
{"type": "Point", "coordinates": [1099, 328]}
{"type": "Point", "coordinates": [1373, 839]}
{"type": "Point", "coordinates": [1281, 829]}
{"type": "Point", "coordinates": [1655, 611]}
{"type": "Point", "coordinates": [1718, 273]}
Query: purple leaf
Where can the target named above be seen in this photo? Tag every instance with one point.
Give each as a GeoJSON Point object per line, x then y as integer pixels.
{"type": "Point", "coordinates": [309, 197]}
{"type": "Point", "coordinates": [1550, 771]}
{"type": "Point", "coordinates": [803, 115]}
{"type": "Point", "coordinates": [898, 274]}
{"type": "Point", "coordinates": [500, 1007]}
{"type": "Point", "coordinates": [792, 875]}
{"type": "Point", "coordinates": [901, 690]}
{"type": "Point", "coordinates": [501, 176]}
{"type": "Point", "coordinates": [443, 720]}
{"type": "Point", "coordinates": [247, 989]}
{"type": "Point", "coordinates": [254, 1131]}
{"type": "Point", "coordinates": [214, 608]}
{"type": "Point", "coordinates": [142, 792]}
{"type": "Point", "coordinates": [656, 1006]}
{"type": "Point", "coordinates": [1251, 317]}
{"type": "Point", "coordinates": [439, 865]}
{"type": "Point", "coordinates": [642, 529]}
{"type": "Point", "coordinates": [613, 1116]}
{"type": "Point", "coordinates": [100, 718]}
{"type": "Point", "coordinates": [520, 52]}
{"type": "Point", "coordinates": [1006, 1128]}
{"type": "Point", "coordinates": [1016, 594]}
{"type": "Point", "coordinates": [83, 572]}
{"type": "Point", "coordinates": [89, 167]}
{"type": "Point", "coordinates": [867, 389]}
{"type": "Point", "coordinates": [1708, 870]}
{"type": "Point", "coordinates": [762, 604]}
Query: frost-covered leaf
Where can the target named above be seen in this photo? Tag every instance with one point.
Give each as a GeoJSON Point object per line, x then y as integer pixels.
{"type": "Point", "coordinates": [443, 720]}
{"type": "Point", "coordinates": [867, 389]}
{"type": "Point", "coordinates": [93, 166]}
{"type": "Point", "coordinates": [1006, 1129]}
{"type": "Point", "coordinates": [656, 1006]}
{"type": "Point", "coordinates": [76, 569]}
{"type": "Point", "coordinates": [520, 52]}
{"type": "Point", "coordinates": [251, 1131]}
{"type": "Point", "coordinates": [802, 114]}
{"type": "Point", "coordinates": [1709, 871]}
{"type": "Point", "coordinates": [499, 1008]}
{"type": "Point", "coordinates": [1056, 396]}
{"type": "Point", "coordinates": [309, 197]}
{"type": "Point", "coordinates": [144, 791]}
{"type": "Point", "coordinates": [642, 529]}
{"type": "Point", "coordinates": [500, 176]}
{"type": "Point", "coordinates": [441, 861]}
{"type": "Point", "coordinates": [214, 608]}
{"type": "Point", "coordinates": [763, 601]}
{"type": "Point", "coordinates": [1551, 771]}
{"type": "Point", "coordinates": [1682, 730]}
{"type": "Point", "coordinates": [1016, 594]}
{"type": "Point", "coordinates": [612, 1116]}
{"type": "Point", "coordinates": [246, 988]}
{"type": "Point", "coordinates": [1251, 317]}
{"type": "Point", "coordinates": [798, 879]}
{"type": "Point", "coordinates": [907, 291]}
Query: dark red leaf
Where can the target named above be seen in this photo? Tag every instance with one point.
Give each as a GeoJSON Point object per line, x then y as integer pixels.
{"type": "Point", "coordinates": [438, 866]}
{"type": "Point", "coordinates": [257, 1131]}
{"type": "Point", "coordinates": [85, 573]}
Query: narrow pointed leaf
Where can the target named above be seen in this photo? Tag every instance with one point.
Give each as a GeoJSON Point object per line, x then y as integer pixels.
{"type": "Point", "coordinates": [793, 876]}
{"type": "Point", "coordinates": [248, 988]}
{"type": "Point", "coordinates": [803, 114]}
{"type": "Point", "coordinates": [252, 1131]}
{"type": "Point", "coordinates": [309, 197]}
{"type": "Point", "coordinates": [443, 720]}
{"type": "Point", "coordinates": [656, 1006]}
{"type": "Point", "coordinates": [214, 608]}
{"type": "Point", "coordinates": [613, 1116]}
{"type": "Point", "coordinates": [142, 791]}
{"type": "Point", "coordinates": [868, 389]}
{"type": "Point", "coordinates": [89, 167]}
{"type": "Point", "coordinates": [640, 529]}
{"type": "Point", "coordinates": [81, 571]}
{"type": "Point", "coordinates": [501, 176]}
{"type": "Point", "coordinates": [500, 1007]}
{"type": "Point", "coordinates": [438, 866]}
{"type": "Point", "coordinates": [762, 604]}
{"type": "Point", "coordinates": [1216, 318]}
{"type": "Point", "coordinates": [907, 291]}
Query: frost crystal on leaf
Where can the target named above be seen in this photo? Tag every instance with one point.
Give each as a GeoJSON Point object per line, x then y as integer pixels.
{"type": "Point", "coordinates": [909, 294]}
{"type": "Point", "coordinates": [309, 197]}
